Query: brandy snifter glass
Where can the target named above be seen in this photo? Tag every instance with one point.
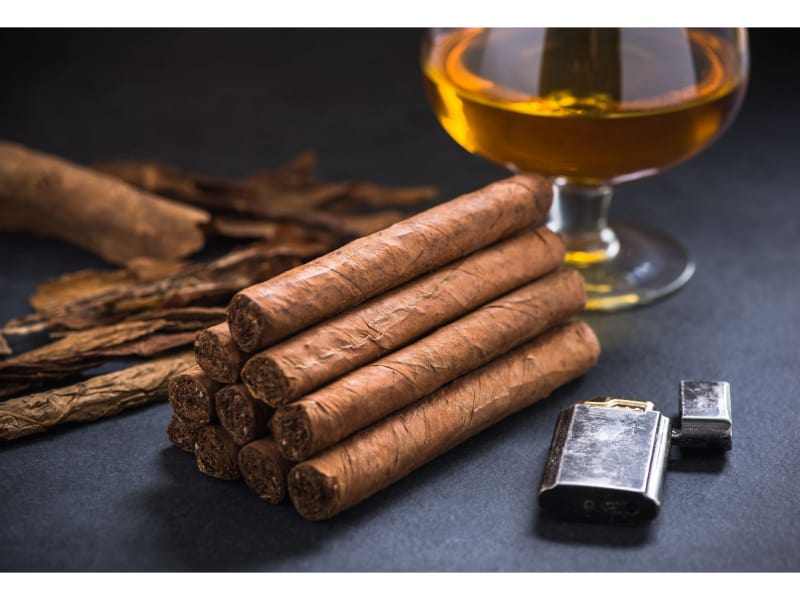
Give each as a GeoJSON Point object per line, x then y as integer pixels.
{"type": "Point", "coordinates": [591, 108]}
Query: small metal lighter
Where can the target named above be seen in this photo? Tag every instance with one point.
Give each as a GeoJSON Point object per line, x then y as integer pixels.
{"type": "Point", "coordinates": [608, 456]}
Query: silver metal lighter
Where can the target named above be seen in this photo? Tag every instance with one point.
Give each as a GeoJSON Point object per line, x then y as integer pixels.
{"type": "Point", "coordinates": [608, 456]}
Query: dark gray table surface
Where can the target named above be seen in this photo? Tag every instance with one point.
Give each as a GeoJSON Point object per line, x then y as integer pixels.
{"type": "Point", "coordinates": [114, 495]}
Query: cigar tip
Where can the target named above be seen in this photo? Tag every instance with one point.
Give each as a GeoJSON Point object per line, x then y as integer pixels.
{"type": "Point", "coordinates": [216, 453]}
{"type": "Point", "coordinates": [236, 414]}
{"type": "Point", "coordinates": [584, 331]}
{"type": "Point", "coordinates": [574, 277]}
{"type": "Point", "coordinates": [540, 188]}
{"type": "Point", "coordinates": [262, 470]}
{"type": "Point", "coordinates": [181, 434]}
{"type": "Point", "coordinates": [215, 357]}
{"type": "Point", "coordinates": [265, 380]}
{"type": "Point", "coordinates": [312, 493]}
{"type": "Point", "coordinates": [292, 431]}
{"type": "Point", "coordinates": [246, 322]}
{"type": "Point", "coordinates": [191, 395]}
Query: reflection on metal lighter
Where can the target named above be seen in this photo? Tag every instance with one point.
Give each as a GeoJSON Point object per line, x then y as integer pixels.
{"type": "Point", "coordinates": [608, 456]}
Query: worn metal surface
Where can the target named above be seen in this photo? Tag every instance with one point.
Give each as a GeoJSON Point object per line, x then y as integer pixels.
{"type": "Point", "coordinates": [607, 462]}
{"type": "Point", "coordinates": [705, 415]}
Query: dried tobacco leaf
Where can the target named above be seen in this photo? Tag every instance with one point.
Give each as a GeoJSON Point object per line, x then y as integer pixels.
{"type": "Point", "coordinates": [91, 399]}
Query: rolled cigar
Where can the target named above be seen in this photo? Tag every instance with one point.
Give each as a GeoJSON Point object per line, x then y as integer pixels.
{"type": "Point", "coordinates": [244, 417]}
{"type": "Point", "coordinates": [182, 434]}
{"type": "Point", "coordinates": [216, 452]}
{"type": "Point", "coordinates": [218, 354]}
{"type": "Point", "coordinates": [264, 470]}
{"type": "Point", "coordinates": [43, 194]}
{"type": "Point", "coordinates": [368, 394]}
{"type": "Point", "coordinates": [345, 342]}
{"type": "Point", "coordinates": [391, 449]}
{"type": "Point", "coordinates": [270, 311]}
{"type": "Point", "coordinates": [191, 394]}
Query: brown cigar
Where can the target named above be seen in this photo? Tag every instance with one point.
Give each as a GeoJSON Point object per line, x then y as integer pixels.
{"type": "Point", "coordinates": [244, 417]}
{"type": "Point", "coordinates": [217, 353]}
{"type": "Point", "coordinates": [264, 469]}
{"type": "Point", "coordinates": [182, 434]}
{"type": "Point", "coordinates": [270, 311]}
{"type": "Point", "coordinates": [191, 394]}
{"type": "Point", "coordinates": [345, 342]}
{"type": "Point", "coordinates": [368, 394]}
{"type": "Point", "coordinates": [391, 449]}
{"type": "Point", "coordinates": [216, 452]}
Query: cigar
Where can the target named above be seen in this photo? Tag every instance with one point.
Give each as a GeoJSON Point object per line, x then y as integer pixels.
{"type": "Point", "coordinates": [368, 394]}
{"type": "Point", "coordinates": [218, 355]}
{"type": "Point", "coordinates": [191, 394]}
{"type": "Point", "coordinates": [48, 196]}
{"type": "Point", "coordinates": [182, 434]}
{"type": "Point", "coordinates": [264, 470]}
{"type": "Point", "coordinates": [391, 449]}
{"type": "Point", "coordinates": [216, 453]}
{"type": "Point", "coordinates": [345, 342]}
{"type": "Point", "coordinates": [244, 417]}
{"type": "Point", "coordinates": [270, 311]}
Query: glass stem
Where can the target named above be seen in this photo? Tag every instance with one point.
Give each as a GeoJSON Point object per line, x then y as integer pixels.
{"type": "Point", "coordinates": [580, 215]}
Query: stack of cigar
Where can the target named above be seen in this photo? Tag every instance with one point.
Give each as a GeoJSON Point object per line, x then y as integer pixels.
{"type": "Point", "coordinates": [337, 378]}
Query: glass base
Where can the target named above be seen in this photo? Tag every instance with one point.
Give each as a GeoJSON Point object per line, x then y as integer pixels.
{"type": "Point", "coordinates": [647, 266]}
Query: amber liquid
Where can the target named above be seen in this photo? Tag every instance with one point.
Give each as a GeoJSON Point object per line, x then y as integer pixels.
{"type": "Point", "coordinates": [585, 106]}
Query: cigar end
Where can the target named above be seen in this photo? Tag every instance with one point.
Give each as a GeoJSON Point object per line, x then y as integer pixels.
{"type": "Point", "coordinates": [292, 431]}
{"type": "Point", "coordinates": [216, 453]}
{"type": "Point", "coordinates": [215, 358]}
{"type": "Point", "coordinates": [239, 414]}
{"type": "Point", "coordinates": [539, 188]}
{"type": "Point", "coordinates": [246, 322]}
{"type": "Point", "coordinates": [576, 281]}
{"type": "Point", "coordinates": [190, 398]}
{"type": "Point", "coordinates": [312, 493]}
{"type": "Point", "coordinates": [263, 470]}
{"type": "Point", "coordinates": [587, 334]}
{"type": "Point", "coordinates": [265, 380]}
{"type": "Point", "coordinates": [182, 434]}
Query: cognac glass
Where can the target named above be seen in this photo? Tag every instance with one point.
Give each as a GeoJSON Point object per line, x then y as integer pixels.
{"type": "Point", "coordinates": [591, 108]}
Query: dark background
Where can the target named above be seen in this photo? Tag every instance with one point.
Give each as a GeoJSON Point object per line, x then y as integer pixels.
{"type": "Point", "coordinates": [114, 495]}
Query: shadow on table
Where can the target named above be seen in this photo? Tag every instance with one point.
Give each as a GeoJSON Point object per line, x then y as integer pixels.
{"type": "Point", "coordinates": [203, 524]}
{"type": "Point", "coordinates": [697, 460]}
{"type": "Point", "coordinates": [592, 534]}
